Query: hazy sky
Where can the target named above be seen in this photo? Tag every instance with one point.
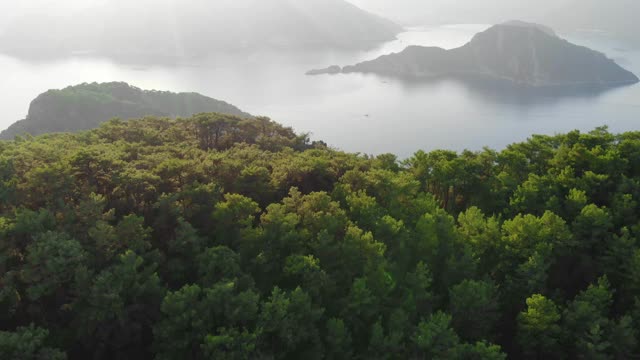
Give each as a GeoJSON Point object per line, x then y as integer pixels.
{"type": "Point", "coordinates": [416, 11]}
{"type": "Point", "coordinates": [10, 9]}
{"type": "Point", "coordinates": [400, 10]}
{"type": "Point", "coordinates": [479, 11]}
{"type": "Point", "coordinates": [617, 15]}
{"type": "Point", "coordinates": [405, 11]}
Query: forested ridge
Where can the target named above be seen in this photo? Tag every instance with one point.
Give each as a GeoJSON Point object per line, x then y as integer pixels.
{"type": "Point", "coordinates": [217, 237]}
{"type": "Point", "coordinates": [86, 106]}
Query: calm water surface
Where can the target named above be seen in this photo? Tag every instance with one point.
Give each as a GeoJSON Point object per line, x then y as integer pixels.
{"type": "Point", "coordinates": [356, 113]}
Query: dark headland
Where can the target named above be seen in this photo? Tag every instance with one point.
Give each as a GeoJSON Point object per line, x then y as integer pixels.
{"type": "Point", "coordinates": [86, 106]}
{"type": "Point", "coordinates": [522, 53]}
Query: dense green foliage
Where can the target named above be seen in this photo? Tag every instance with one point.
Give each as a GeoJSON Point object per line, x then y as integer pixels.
{"type": "Point", "coordinates": [221, 238]}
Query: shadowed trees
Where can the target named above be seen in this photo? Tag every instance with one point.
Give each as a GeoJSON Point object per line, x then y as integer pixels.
{"type": "Point", "coordinates": [221, 238]}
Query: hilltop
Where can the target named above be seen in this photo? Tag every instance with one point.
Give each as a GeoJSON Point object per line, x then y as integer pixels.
{"type": "Point", "coordinates": [86, 106]}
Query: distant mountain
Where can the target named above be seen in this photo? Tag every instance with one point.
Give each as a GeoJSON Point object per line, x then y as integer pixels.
{"type": "Point", "coordinates": [519, 52]}
{"type": "Point", "coordinates": [86, 106]}
{"type": "Point", "coordinates": [616, 19]}
{"type": "Point", "coordinates": [190, 28]}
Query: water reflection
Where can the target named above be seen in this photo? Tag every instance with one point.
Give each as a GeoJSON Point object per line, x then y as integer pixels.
{"type": "Point", "coordinates": [507, 93]}
{"type": "Point", "coordinates": [502, 92]}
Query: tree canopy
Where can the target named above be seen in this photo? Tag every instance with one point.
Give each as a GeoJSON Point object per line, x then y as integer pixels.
{"type": "Point", "coordinates": [215, 237]}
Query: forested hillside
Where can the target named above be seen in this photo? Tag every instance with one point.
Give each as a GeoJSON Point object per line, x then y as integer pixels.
{"type": "Point", "coordinates": [86, 106]}
{"type": "Point", "coordinates": [220, 238]}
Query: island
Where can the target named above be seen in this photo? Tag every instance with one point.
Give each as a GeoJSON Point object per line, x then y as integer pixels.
{"type": "Point", "coordinates": [519, 52]}
{"type": "Point", "coordinates": [86, 106]}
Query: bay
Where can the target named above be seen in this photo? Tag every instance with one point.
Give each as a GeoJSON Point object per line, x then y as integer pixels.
{"type": "Point", "coordinates": [355, 112]}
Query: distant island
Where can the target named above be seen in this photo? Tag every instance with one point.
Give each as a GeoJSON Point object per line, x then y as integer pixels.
{"type": "Point", "coordinates": [155, 31]}
{"type": "Point", "coordinates": [86, 106]}
{"type": "Point", "coordinates": [522, 53]}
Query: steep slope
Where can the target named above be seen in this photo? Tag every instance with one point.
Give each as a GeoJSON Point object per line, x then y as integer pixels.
{"type": "Point", "coordinates": [85, 106]}
{"type": "Point", "coordinates": [188, 28]}
{"type": "Point", "coordinates": [519, 52]}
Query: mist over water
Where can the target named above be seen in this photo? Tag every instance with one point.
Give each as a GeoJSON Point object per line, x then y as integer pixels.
{"type": "Point", "coordinates": [617, 17]}
{"type": "Point", "coordinates": [358, 113]}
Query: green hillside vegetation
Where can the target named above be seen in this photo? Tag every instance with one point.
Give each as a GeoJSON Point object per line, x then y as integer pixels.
{"type": "Point", "coordinates": [215, 237]}
{"type": "Point", "coordinates": [86, 106]}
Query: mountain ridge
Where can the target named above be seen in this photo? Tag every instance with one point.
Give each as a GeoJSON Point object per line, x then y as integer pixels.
{"type": "Point", "coordinates": [165, 29]}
